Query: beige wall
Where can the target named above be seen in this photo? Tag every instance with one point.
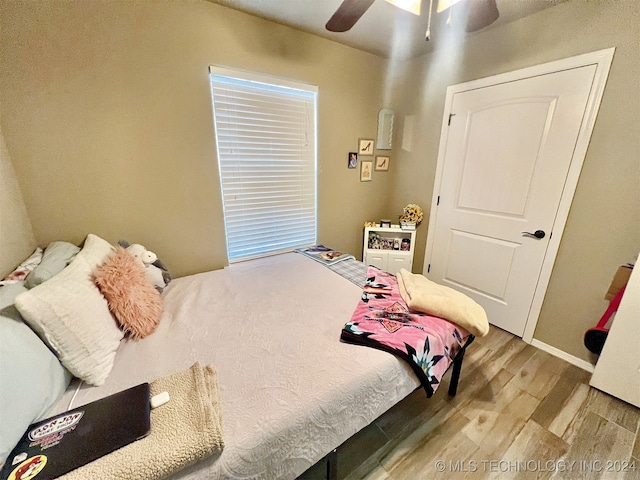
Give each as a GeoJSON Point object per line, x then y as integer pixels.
{"type": "Point", "coordinates": [107, 116]}
{"type": "Point", "coordinates": [17, 241]}
{"type": "Point", "coordinates": [603, 228]}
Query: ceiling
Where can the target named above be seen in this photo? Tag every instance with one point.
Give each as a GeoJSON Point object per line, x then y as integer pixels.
{"type": "Point", "coordinates": [384, 29]}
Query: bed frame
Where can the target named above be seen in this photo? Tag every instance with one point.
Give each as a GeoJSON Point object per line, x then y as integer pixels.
{"type": "Point", "coordinates": [331, 460]}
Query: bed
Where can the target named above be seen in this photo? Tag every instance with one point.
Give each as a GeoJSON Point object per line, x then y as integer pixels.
{"type": "Point", "coordinates": [287, 389]}
{"type": "Point", "coordinates": [290, 391]}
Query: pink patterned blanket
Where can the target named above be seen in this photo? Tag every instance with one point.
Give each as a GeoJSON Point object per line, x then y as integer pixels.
{"type": "Point", "coordinates": [382, 320]}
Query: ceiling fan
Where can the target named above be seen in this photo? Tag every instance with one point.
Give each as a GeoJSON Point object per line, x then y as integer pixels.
{"type": "Point", "coordinates": [481, 13]}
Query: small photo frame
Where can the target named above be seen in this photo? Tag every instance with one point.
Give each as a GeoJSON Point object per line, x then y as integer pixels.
{"type": "Point", "coordinates": [382, 164]}
{"type": "Point", "coordinates": [365, 146]}
{"type": "Point", "coordinates": [352, 160]}
{"type": "Point", "coordinates": [366, 171]}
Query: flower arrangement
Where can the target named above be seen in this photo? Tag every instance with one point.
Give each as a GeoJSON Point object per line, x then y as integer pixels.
{"type": "Point", "coordinates": [412, 213]}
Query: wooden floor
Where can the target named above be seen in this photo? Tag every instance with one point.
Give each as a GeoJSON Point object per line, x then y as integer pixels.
{"type": "Point", "coordinates": [519, 413]}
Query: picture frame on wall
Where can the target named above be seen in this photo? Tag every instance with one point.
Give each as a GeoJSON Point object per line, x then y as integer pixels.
{"type": "Point", "coordinates": [366, 171]}
{"type": "Point", "coordinates": [352, 160]}
{"type": "Point", "coordinates": [365, 146]}
{"type": "Point", "coordinates": [382, 164]}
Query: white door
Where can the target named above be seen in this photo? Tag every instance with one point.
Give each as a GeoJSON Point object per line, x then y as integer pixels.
{"type": "Point", "coordinates": [504, 162]}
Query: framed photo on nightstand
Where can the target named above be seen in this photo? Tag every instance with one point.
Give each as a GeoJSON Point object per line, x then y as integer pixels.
{"type": "Point", "coordinates": [382, 164]}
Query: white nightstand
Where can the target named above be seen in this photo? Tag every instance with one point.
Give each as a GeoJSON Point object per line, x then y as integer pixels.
{"type": "Point", "coordinates": [393, 251]}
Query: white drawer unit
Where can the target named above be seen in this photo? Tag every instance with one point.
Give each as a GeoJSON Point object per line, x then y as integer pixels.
{"type": "Point", "coordinates": [389, 248]}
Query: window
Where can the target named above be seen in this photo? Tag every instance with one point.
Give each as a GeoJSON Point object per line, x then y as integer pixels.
{"type": "Point", "coordinates": [266, 137]}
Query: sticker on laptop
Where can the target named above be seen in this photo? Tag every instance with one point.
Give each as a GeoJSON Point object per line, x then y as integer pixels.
{"type": "Point", "coordinates": [50, 433]}
{"type": "Point", "coordinates": [21, 457]}
{"type": "Point", "coordinates": [29, 468]}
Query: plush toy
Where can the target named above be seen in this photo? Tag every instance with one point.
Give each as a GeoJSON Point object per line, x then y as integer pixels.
{"type": "Point", "coordinates": [155, 271]}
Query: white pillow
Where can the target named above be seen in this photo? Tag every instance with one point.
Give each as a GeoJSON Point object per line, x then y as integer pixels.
{"type": "Point", "coordinates": [70, 314]}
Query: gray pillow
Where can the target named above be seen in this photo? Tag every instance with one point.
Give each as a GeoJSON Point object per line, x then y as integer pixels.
{"type": "Point", "coordinates": [55, 258]}
{"type": "Point", "coordinates": [31, 377]}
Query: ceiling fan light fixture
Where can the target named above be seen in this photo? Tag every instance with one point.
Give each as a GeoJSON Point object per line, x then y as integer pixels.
{"type": "Point", "coordinates": [444, 4]}
{"type": "Point", "coordinates": [412, 6]}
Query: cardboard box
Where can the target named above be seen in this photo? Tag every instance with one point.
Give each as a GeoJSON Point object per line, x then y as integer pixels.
{"type": "Point", "coordinates": [620, 279]}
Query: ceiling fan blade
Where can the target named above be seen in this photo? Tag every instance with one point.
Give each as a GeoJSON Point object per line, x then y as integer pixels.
{"type": "Point", "coordinates": [482, 13]}
{"type": "Point", "coordinates": [348, 13]}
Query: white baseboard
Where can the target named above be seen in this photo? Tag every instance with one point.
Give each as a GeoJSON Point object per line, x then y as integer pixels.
{"type": "Point", "coordinates": [578, 362]}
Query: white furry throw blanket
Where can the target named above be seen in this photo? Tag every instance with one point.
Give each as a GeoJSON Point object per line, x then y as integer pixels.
{"type": "Point", "coordinates": [183, 431]}
{"type": "Point", "coordinates": [423, 295]}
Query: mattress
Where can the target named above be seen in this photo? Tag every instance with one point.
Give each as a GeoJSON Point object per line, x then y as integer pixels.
{"type": "Point", "coordinates": [290, 390]}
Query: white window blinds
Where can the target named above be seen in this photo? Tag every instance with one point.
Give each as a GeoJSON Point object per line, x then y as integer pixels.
{"type": "Point", "coordinates": [266, 138]}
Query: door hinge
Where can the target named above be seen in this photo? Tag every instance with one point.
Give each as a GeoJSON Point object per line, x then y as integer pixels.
{"type": "Point", "coordinates": [438, 201]}
{"type": "Point", "coordinates": [428, 268]}
{"type": "Point", "coordinates": [450, 115]}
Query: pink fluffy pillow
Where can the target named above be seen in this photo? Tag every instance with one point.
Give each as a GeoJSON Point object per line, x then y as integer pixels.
{"type": "Point", "coordinates": [132, 299]}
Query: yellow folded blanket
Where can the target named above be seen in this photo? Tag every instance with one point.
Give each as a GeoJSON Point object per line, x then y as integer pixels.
{"type": "Point", "coordinates": [423, 295]}
{"type": "Point", "coordinates": [183, 431]}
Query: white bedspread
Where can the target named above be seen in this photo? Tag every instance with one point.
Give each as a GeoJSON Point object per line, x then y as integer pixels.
{"type": "Point", "coordinates": [290, 390]}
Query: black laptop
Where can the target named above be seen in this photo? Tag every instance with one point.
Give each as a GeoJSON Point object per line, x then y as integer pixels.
{"type": "Point", "coordinates": [59, 444]}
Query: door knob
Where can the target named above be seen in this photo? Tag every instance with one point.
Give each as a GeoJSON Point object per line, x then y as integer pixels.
{"type": "Point", "coordinates": [537, 234]}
